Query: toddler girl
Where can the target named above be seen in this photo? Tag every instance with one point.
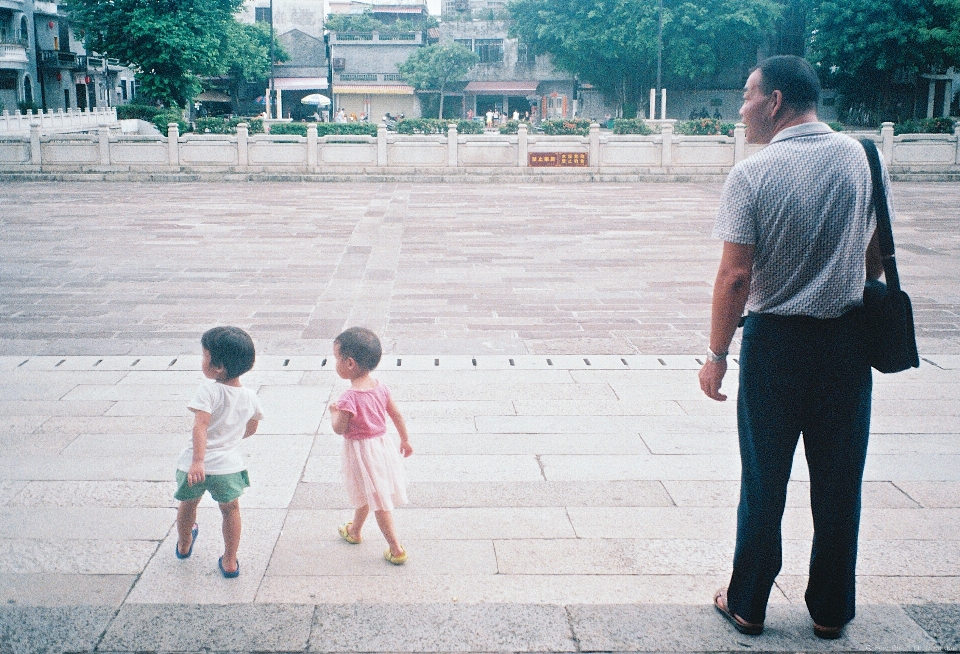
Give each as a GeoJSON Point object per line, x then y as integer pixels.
{"type": "Point", "coordinates": [372, 467]}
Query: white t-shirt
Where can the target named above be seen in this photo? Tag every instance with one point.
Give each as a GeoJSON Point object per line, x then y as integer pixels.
{"type": "Point", "coordinates": [230, 408]}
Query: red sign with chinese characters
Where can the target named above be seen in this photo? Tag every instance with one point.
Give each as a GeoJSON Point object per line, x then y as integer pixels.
{"type": "Point", "coordinates": [551, 159]}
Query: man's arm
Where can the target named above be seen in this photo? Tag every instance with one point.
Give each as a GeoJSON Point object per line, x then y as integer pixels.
{"type": "Point", "coordinates": [729, 298]}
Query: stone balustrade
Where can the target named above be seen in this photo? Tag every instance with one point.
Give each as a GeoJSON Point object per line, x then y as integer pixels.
{"type": "Point", "coordinates": [59, 121]}
{"type": "Point", "coordinates": [600, 153]}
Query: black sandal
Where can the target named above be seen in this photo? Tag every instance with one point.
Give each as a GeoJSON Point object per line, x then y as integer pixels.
{"type": "Point", "coordinates": [741, 625]}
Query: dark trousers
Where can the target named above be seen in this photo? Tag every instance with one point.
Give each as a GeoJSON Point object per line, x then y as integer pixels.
{"type": "Point", "coordinates": [801, 375]}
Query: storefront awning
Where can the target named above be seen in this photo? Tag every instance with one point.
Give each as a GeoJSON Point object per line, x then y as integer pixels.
{"type": "Point", "coordinates": [372, 89]}
{"type": "Point", "coordinates": [300, 83]}
{"type": "Point", "coordinates": [212, 96]}
{"type": "Point", "coordinates": [502, 88]}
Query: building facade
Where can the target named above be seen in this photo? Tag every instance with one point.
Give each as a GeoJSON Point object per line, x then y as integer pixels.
{"type": "Point", "coordinates": [509, 79]}
{"type": "Point", "coordinates": [365, 65]}
{"type": "Point", "coordinates": [18, 64]}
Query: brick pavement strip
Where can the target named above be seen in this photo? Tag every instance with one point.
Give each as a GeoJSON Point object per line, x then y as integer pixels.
{"type": "Point", "coordinates": [115, 268]}
{"type": "Point", "coordinates": [572, 490]}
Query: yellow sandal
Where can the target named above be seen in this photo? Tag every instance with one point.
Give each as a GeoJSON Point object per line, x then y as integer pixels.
{"type": "Point", "coordinates": [395, 560]}
{"type": "Point", "coordinates": [345, 534]}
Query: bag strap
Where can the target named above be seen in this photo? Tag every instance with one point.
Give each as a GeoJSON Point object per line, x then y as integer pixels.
{"type": "Point", "coordinates": [884, 231]}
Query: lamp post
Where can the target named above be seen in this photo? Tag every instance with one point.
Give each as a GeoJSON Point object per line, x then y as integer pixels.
{"type": "Point", "coordinates": [272, 91]}
{"type": "Point", "coordinates": [659, 51]}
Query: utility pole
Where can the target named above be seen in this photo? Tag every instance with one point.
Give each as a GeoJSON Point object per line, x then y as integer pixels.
{"type": "Point", "coordinates": [659, 47]}
{"type": "Point", "coordinates": [272, 90]}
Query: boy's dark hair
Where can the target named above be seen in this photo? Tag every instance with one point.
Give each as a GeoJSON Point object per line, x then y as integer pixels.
{"type": "Point", "coordinates": [230, 347]}
{"type": "Point", "coordinates": [794, 77]}
{"type": "Point", "coordinates": [361, 345]}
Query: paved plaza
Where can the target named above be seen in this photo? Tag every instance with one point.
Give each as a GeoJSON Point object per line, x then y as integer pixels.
{"type": "Point", "coordinates": [571, 488]}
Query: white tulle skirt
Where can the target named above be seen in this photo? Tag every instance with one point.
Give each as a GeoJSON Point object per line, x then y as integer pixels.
{"type": "Point", "coordinates": [373, 473]}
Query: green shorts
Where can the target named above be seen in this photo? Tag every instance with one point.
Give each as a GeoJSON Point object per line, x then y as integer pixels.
{"type": "Point", "coordinates": [223, 488]}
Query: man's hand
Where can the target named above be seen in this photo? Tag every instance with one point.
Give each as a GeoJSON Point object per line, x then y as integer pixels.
{"type": "Point", "coordinates": [711, 377]}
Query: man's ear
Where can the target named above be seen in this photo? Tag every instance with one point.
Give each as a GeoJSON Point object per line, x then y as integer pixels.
{"type": "Point", "coordinates": [776, 102]}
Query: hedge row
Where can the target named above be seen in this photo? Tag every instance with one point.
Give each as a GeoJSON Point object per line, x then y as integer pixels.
{"type": "Point", "coordinates": [924, 126]}
{"type": "Point", "coordinates": [437, 126]}
{"type": "Point", "coordinates": [325, 129]}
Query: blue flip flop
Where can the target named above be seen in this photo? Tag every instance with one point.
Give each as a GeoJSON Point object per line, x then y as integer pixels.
{"type": "Point", "coordinates": [193, 533]}
{"type": "Point", "coordinates": [228, 575]}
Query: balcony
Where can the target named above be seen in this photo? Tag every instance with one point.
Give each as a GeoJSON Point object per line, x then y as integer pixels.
{"type": "Point", "coordinates": [369, 77]}
{"type": "Point", "coordinates": [59, 59]}
{"type": "Point", "coordinates": [88, 62]}
{"type": "Point", "coordinates": [13, 56]}
{"type": "Point", "coordinates": [14, 38]}
{"type": "Point", "coordinates": [345, 38]}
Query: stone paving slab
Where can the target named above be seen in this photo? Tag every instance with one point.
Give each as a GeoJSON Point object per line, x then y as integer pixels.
{"type": "Point", "coordinates": [515, 268]}
{"type": "Point", "coordinates": [571, 488]}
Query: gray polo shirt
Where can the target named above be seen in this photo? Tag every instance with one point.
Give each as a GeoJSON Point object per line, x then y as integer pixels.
{"type": "Point", "coordinates": [804, 202]}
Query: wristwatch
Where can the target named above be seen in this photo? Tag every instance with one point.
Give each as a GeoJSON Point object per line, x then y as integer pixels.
{"type": "Point", "coordinates": [713, 357]}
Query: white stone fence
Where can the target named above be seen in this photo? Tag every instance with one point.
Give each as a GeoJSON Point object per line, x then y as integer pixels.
{"type": "Point", "coordinates": [59, 121]}
{"type": "Point", "coordinates": [602, 155]}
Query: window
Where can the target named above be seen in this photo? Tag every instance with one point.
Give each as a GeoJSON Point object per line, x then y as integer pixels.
{"type": "Point", "coordinates": [490, 51]}
{"type": "Point", "coordinates": [261, 14]}
{"type": "Point", "coordinates": [525, 54]}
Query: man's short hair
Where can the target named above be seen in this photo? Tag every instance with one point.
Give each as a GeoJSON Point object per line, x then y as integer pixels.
{"type": "Point", "coordinates": [230, 348]}
{"type": "Point", "coordinates": [361, 345]}
{"type": "Point", "coordinates": [794, 77]}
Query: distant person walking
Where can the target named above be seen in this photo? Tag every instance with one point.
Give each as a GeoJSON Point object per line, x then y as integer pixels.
{"type": "Point", "coordinates": [372, 467]}
{"type": "Point", "coordinates": [799, 243]}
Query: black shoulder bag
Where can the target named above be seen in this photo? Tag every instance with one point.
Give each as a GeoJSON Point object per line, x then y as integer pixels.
{"type": "Point", "coordinates": [891, 340]}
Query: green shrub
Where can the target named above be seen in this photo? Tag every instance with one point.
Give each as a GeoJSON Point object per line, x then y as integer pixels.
{"type": "Point", "coordinates": [631, 126]}
{"type": "Point", "coordinates": [346, 129]}
{"type": "Point", "coordinates": [219, 125]}
{"type": "Point", "coordinates": [171, 115]}
{"type": "Point", "coordinates": [422, 126]}
{"type": "Point", "coordinates": [574, 126]}
{"type": "Point", "coordinates": [835, 126]}
{"type": "Point", "coordinates": [512, 127]}
{"type": "Point", "coordinates": [297, 129]}
{"type": "Point", "coordinates": [137, 111]}
{"type": "Point", "coordinates": [470, 127]}
{"type": "Point", "coordinates": [924, 126]}
{"type": "Point", "coordinates": [704, 127]}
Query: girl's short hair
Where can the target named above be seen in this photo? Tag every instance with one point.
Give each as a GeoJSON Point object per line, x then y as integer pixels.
{"type": "Point", "coordinates": [361, 345]}
{"type": "Point", "coordinates": [230, 348]}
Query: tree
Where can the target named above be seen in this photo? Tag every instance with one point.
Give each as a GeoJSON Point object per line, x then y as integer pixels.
{"type": "Point", "coordinates": [870, 50]}
{"type": "Point", "coordinates": [247, 54]}
{"type": "Point", "coordinates": [435, 66]}
{"type": "Point", "coordinates": [173, 43]}
{"type": "Point", "coordinates": [612, 44]}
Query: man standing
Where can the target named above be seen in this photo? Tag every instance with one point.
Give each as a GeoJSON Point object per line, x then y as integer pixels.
{"type": "Point", "coordinates": [796, 221]}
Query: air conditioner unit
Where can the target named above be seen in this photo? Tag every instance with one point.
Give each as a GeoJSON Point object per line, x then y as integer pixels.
{"type": "Point", "coordinates": [338, 63]}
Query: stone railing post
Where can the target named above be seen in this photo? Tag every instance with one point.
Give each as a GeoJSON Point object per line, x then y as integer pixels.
{"type": "Point", "coordinates": [956, 133]}
{"type": "Point", "coordinates": [35, 144]}
{"type": "Point", "coordinates": [739, 142]}
{"type": "Point", "coordinates": [242, 134]}
{"type": "Point", "coordinates": [593, 159]}
{"type": "Point", "coordinates": [522, 147]}
{"type": "Point", "coordinates": [886, 142]}
{"type": "Point", "coordinates": [666, 151]}
{"type": "Point", "coordinates": [173, 144]}
{"type": "Point", "coordinates": [312, 145]}
{"type": "Point", "coordinates": [103, 137]}
{"type": "Point", "coordinates": [452, 159]}
{"type": "Point", "coordinates": [382, 145]}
